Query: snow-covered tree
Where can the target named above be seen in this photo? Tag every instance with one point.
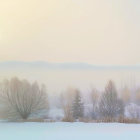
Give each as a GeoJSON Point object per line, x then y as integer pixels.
{"type": "Point", "coordinates": [132, 111]}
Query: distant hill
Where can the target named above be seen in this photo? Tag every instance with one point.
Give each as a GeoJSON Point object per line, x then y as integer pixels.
{"type": "Point", "coordinates": [47, 65]}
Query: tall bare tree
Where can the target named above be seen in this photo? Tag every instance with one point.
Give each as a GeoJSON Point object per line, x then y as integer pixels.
{"type": "Point", "coordinates": [126, 95]}
{"type": "Point", "coordinates": [22, 99]}
{"type": "Point", "coordinates": [94, 96]}
{"type": "Point", "coordinates": [110, 106]}
{"type": "Point", "coordinates": [137, 96]}
{"type": "Point", "coordinates": [66, 100]}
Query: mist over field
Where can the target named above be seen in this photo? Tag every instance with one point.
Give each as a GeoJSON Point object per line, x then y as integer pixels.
{"type": "Point", "coordinates": [59, 76]}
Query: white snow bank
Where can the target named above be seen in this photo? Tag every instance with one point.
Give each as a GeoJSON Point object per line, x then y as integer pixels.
{"type": "Point", "coordinates": [69, 131]}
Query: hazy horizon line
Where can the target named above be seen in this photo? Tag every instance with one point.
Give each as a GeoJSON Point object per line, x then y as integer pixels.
{"type": "Point", "coordinates": [64, 64]}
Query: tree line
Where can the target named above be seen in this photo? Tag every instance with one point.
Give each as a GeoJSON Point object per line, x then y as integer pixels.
{"type": "Point", "coordinates": [20, 99]}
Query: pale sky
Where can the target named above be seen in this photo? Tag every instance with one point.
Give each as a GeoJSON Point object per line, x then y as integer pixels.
{"type": "Point", "coordinates": [101, 32]}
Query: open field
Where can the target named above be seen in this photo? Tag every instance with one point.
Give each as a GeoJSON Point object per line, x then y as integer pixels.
{"type": "Point", "coordinates": [69, 131]}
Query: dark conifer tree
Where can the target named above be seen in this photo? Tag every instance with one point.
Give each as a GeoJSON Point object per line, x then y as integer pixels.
{"type": "Point", "coordinates": [77, 108]}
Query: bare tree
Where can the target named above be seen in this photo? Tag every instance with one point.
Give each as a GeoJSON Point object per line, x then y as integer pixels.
{"type": "Point", "coordinates": [66, 101]}
{"type": "Point", "coordinates": [137, 96]}
{"type": "Point", "coordinates": [126, 95]}
{"type": "Point", "coordinates": [22, 99]}
{"type": "Point", "coordinates": [110, 106]}
{"type": "Point", "coordinates": [94, 96]}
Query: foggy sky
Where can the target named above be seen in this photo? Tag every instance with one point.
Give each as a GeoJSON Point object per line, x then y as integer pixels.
{"type": "Point", "coordinates": [99, 32]}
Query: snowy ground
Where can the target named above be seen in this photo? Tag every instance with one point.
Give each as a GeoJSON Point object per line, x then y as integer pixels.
{"type": "Point", "coordinates": [69, 131]}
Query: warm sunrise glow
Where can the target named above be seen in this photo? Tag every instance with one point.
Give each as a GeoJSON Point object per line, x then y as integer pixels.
{"type": "Point", "coordinates": [91, 31]}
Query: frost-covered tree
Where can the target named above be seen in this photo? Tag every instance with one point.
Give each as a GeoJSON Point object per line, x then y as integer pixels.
{"type": "Point", "coordinates": [21, 99]}
{"type": "Point", "coordinates": [77, 107]}
{"type": "Point", "coordinates": [132, 111]}
{"type": "Point", "coordinates": [110, 106]}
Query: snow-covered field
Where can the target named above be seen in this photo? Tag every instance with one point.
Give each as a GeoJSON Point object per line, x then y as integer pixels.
{"type": "Point", "coordinates": [69, 131]}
